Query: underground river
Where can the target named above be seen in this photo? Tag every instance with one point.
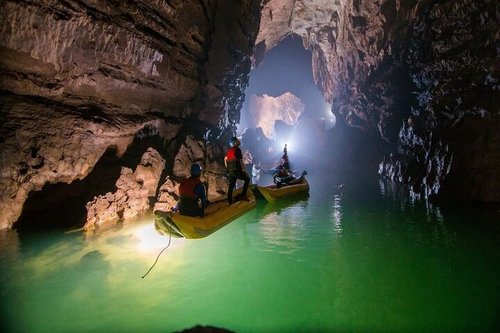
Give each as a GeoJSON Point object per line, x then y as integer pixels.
{"type": "Point", "coordinates": [360, 257]}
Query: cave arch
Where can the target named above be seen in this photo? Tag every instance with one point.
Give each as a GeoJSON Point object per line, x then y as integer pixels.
{"type": "Point", "coordinates": [283, 81]}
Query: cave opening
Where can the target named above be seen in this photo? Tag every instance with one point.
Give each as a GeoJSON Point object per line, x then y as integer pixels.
{"type": "Point", "coordinates": [62, 206]}
{"type": "Point", "coordinates": [283, 105]}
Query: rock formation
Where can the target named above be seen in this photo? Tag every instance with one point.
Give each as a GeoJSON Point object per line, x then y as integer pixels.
{"type": "Point", "coordinates": [78, 77]}
{"type": "Point", "coordinates": [265, 110]}
{"type": "Point", "coordinates": [210, 157]}
{"type": "Point", "coordinates": [134, 190]}
{"type": "Point", "coordinates": [81, 77]}
{"type": "Point", "coordinates": [381, 62]}
{"type": "Point", "coordinates": [167, 196]}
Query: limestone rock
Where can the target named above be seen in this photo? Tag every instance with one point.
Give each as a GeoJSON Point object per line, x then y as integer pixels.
{"type": "Point", "coordinates": [380, 62]}
{"type": "Point", "coordinates": [167, 196]}
{"type": "Point", "coordinates": [261, 147]}
{"type": "Point", "coordinates": [266, 110]}
{"type": "Point", "coordinates": [79, 77]}
{"type": "Point", "coordinates": [132, 197]}
{"type": "Point", "coordinates": [191, 151]}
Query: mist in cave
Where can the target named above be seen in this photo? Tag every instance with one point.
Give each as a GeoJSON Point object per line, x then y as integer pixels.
{"type": "Point", "coordinates": [284, 81]}
{"type": "Point", "coordinates": [288, 68]}
{"type": "Point", "coordinates": [282, 84]}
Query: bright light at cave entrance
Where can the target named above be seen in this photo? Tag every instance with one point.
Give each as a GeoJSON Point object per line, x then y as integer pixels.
{"type": "Point", "coordinates": [289, 145]}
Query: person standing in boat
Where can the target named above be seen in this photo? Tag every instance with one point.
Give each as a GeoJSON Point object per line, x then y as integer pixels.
{"type": "Point", "coordinates": [235, 169]}
{"type": "Point", "coordinates": [283, 173]}
{"type": "Point", "coordinates": [192, 193]}
{"type": "Point", "coordinates": [284, 162]}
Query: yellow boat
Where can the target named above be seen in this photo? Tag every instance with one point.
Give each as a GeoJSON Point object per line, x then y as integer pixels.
{"type": "Point", "coordinates": [217, 214]}
{"type": "Point", "coordinates": [271, 193]}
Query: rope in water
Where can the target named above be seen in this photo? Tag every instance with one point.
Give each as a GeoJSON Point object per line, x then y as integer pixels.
{"type": "Point", "coordinates": [159, 254]}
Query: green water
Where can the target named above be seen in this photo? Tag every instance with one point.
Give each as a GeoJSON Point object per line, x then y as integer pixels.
{"type": "Point", "coordinates": [360, 259]}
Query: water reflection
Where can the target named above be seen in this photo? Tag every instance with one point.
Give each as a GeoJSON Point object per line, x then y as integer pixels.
{"type": "Point", "coordinates": [138, 242]}
{"type": "Point", "coordinates": [9, 245]}
{"type": "Point", "coordinates": [421, 217]}
{"type": "Point", "coordinates": [336, 214]}
{"type": "Point", "coordinates": [282, 224]}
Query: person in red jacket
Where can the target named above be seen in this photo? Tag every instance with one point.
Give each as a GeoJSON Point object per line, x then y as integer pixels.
{"type": "Point", "coordinates": [235, 169]}
{"type": "Point", "coordinates": [192, 193]}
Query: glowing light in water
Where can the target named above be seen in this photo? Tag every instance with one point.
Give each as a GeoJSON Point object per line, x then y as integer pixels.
{"type": "Point", "coordinates": [336, 215]}
{"type": "Point", "coordinates": [149, 240]}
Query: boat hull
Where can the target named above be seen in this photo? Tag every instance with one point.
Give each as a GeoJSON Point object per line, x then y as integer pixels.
{"type": "Point", "coordinates": [217, 215]}
{"type": "Point", "coordinates": [271, 193]}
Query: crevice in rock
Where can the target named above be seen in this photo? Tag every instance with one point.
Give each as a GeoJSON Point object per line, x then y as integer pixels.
{"type": "Point", "coordinates": [145, 138]}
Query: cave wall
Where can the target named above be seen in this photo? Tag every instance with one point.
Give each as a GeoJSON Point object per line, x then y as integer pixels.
{"type": "Point", "coordinates": [421, 74]}
{"type": "Point", "coordinates": [78, 77]}
{"type": "Point", "coordinates": [453, 60]}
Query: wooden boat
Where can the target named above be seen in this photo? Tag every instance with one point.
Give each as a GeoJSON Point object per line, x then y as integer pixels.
{"type": "Point", "coordinates": [218, 214]}
{"type": "Point", "coordinates": [272, 193]}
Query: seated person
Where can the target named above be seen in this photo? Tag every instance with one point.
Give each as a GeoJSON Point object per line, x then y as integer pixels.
{"type": "Point", "coordinates": [282, 176]}
{"type": "Point", "coordinates": [284, 163]}
{"type": "Point", "coordinates": [285, 177]}
{"type": "Point", "coordinates": [192, 193]}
